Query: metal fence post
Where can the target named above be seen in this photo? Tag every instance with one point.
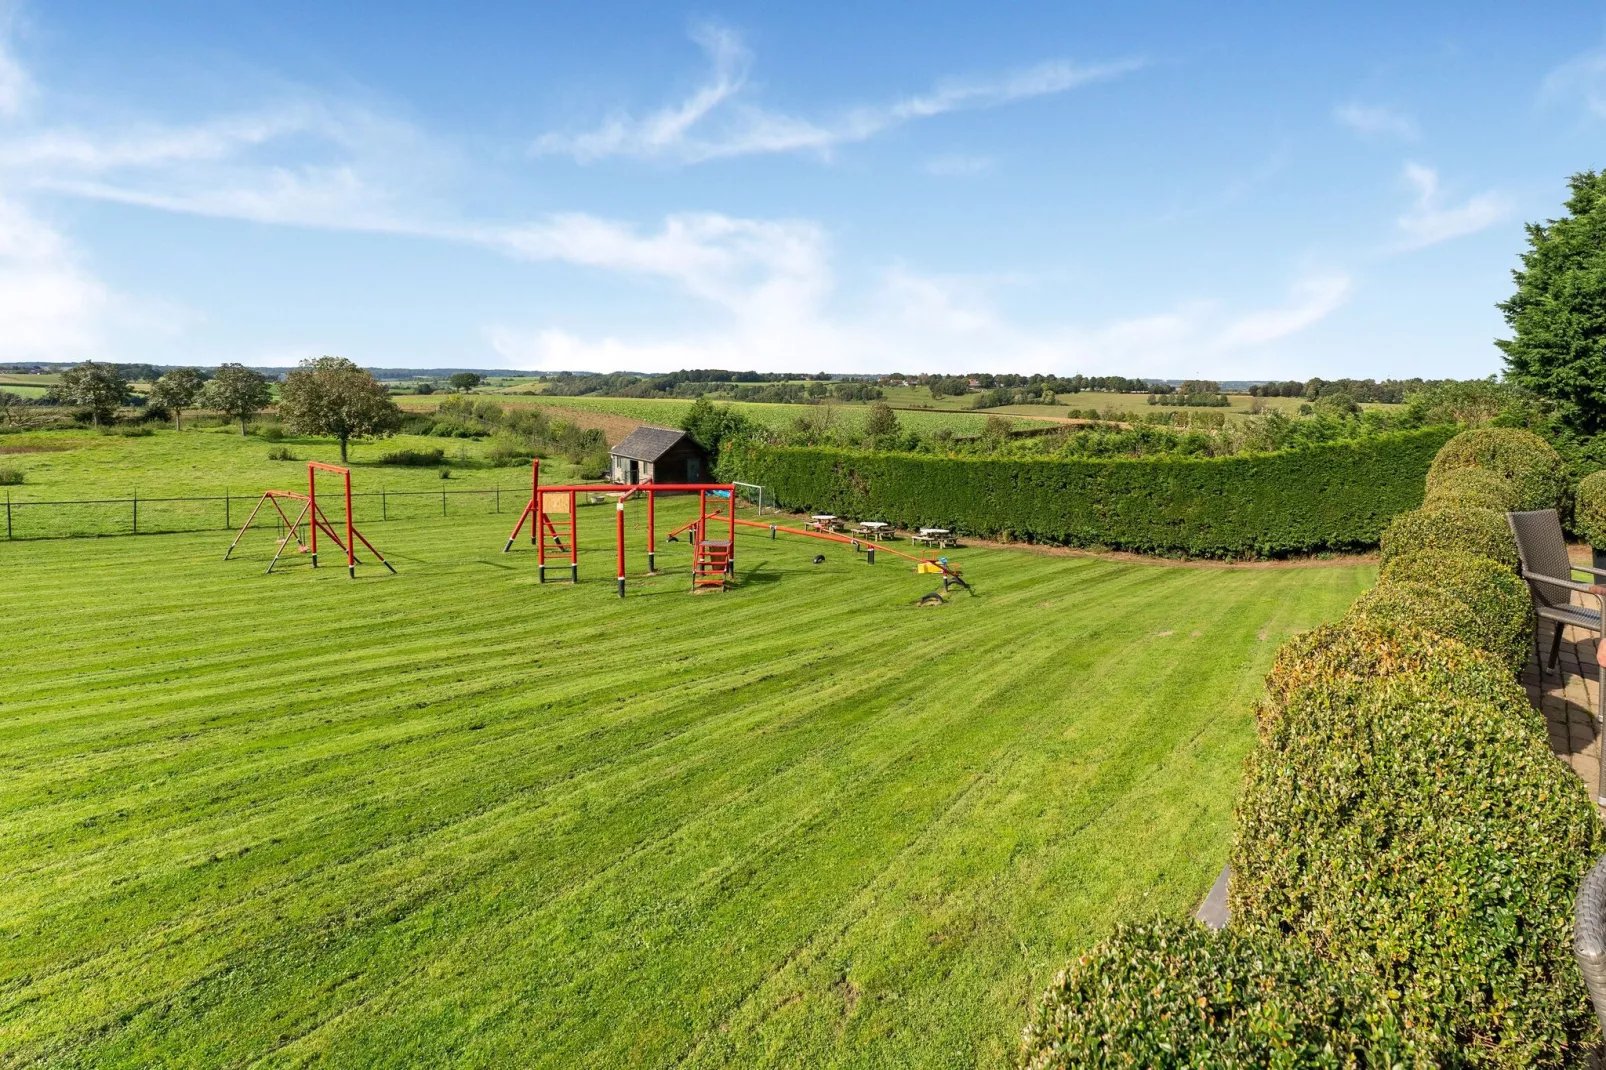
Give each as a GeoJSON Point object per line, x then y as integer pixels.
{"type": "Point", "coordinates": [136, 512]}
{"type": "Point", "coordinates": [384, 506]}
{"type": "Point", "coordinates": [499, 497]}
{"type": "Point", "coordinates": [226, 520]}
{"type": "Point", "coordinates": [8, 514]}
{"type": "Point", "coordinates": [443, 501]}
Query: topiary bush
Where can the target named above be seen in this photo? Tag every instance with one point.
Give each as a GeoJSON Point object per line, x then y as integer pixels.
{"type": "Point", "coordinates": [1479, 532]}
{"type": "Point", "coordinates": [1414, 825]}
{"type": "Point", "coordinates": [1497, 598]}
{"type": "Point", "coordinates": [1589, 513]}
{"type": "Point", "coordinates": [1430, 606]}
{"type": "Point", "coordinates": [1472, 488]}
{"type": "Point", "coordinates": [1172, 993]}
{"type": "Point", "coordinates": [1522, 458]}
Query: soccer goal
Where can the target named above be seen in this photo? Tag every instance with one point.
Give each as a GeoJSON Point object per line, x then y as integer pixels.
{"type": "Point", "coordinates": [752, 492]}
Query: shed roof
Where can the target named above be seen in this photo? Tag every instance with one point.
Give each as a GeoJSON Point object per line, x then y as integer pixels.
{"type": "Point", "coordinates": [647, 443]}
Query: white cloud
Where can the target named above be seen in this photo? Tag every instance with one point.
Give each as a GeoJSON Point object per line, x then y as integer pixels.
{"type": "Point", "coordinates": [1431, 221]}
{"type": "Point", "coordinates": [958, 166]}
{"type": "Point", "coordinates": [51, 307]}
{"type": "Point", "coordinates": [714, 122]}
{"type": "Point", "coordinates": [1314, 299]}
{"type": "Point", "coordinates": [1374, 121]}
{"type": "Point", "coordinates": [1581, 79]}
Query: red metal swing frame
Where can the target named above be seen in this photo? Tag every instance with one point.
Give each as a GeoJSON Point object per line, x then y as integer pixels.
{"type": "Point", "coordinates": [714, 560]}
{"type": "Point", "coordinates": [313, 515]}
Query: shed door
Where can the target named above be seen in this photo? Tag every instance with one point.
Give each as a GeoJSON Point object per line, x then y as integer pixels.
{"type": "Point", "coordinates": [694, 470]}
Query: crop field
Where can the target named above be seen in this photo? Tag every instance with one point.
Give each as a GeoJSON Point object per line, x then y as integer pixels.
{"type": "Point", "coordinates": [452, 817]}
{"type": "Point", "coordinates": [668, 412]}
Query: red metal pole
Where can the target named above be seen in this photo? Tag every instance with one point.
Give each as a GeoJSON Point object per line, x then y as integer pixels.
{"type": "Point", "coordinates": [312, 502]}
{"type": "Point", "coordinates": [351, 543]}
{"type": "Point", "coordinates": [730, 559]}
{"type": "Point", "coordinates": [619, 531]}
{"type": "Point", "coordinates": [538, 528]}
{"type": "Point", "coordinates": [535, 490]}
{"type": "Point", "coordinates": [650, 568]}
{"type": "Point", "coordinates": [574, 542]}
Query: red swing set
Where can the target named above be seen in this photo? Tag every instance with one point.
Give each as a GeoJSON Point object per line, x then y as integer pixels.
{"type": "Point", "coordinates": [313, 517]}
{"type": "Point", "coordinates": [553, 530]}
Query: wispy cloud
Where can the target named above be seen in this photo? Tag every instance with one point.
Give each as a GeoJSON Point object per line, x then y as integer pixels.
{"type": "Point", "coordinates": [716, 121]}
{"type": "Point", "coordinates": [958, 166]}
{"type": "Point", "coordinates": [1580, 80]}
{"type": "Point", "coordinates": [1376, 121]}
{"type": "Point", "coordinates": [1431, 221]}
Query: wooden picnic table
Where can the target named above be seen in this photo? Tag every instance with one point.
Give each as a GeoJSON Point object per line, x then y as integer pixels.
{"type": "Point", "coordinates": [824, 522]}
{"type": "Point", "coordinates": [875, 529]}
{"type": "Point", "coordinates": [938, 537]}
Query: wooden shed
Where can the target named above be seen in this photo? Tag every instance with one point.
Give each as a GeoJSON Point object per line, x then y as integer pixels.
{"type": "Point", "coordinates": [659, 454]}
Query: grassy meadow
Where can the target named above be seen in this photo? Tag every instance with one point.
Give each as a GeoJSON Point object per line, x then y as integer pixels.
{"type": "Point", "coordinates": [451, 817]}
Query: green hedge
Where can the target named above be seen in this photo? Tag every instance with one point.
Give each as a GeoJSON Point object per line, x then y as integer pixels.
{"type": "Point", "coordinates": [1414, 826]}
{"type": "Point", "coordinates": [1473, 488]}
{"type": "Point", "coordinates": [1330, 497]}
{"type": "Point", "coordinates": [1529, 463]}
{"type": "Point", "coordinates": [1478, 532]}
{"type": "Point", "coordinates": [1172, 993]}
{"type": "Point", "coordinates": [1502, 611]}
{"type": "Point", "coordinates": [1589, 515]}
{"type": "Point", "coordinates": [1432, 607]}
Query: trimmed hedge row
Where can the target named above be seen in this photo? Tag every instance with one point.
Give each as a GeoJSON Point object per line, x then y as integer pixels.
{"type": "Point", "coordinates": [1335, 496]}
{"type": "Point", "coordinates": [1171, 993]}
{"type": "Point", "coordinates": [1415, 827]}
{"type": "Point", "coordinates": [1403, 827]}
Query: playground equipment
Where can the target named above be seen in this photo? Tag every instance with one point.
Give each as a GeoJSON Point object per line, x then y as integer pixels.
{"type": "Point", "coordinates": [314, 519]}
{"type": "Point", "coordinates": [551, 513]}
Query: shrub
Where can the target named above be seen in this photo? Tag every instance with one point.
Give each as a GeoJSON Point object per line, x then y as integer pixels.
{"type": "Point", "coordinates": [1172, 993]}
{"type": "Point", "coordinates": [270, 432]}
{"type": "Point", "coordinates": [281, 453]}
{"type": "Point", "coordinates": [1497, 598]}
{"type": "Point", "coordinates": [416, 423]}
{"type": "Point", "coordinates": [449, 428]}
{"type": "Point", "coordinates": [1479, 532]}
{"type": "Point", "coordinates": [1522, 458]}
{"type": "Point", "coordinates": [415, 458]}
{"type": "Point", "coordinates": [1589, 517]}
{"type": "Point", "coordinates": [1431, 607]}
{"type": "Point", "coordinates": [504, 454]}
{"type": "Point", "coordinates": [1414, 825]}
{"type": "Point", "coordinates": [11, 477]}
{"type": "Point", "coordinates": [1472, 488]}
{"type": "Point", "coordinates": [132, 431]}
{"type": "Point", "coordinates": [1334, 496]}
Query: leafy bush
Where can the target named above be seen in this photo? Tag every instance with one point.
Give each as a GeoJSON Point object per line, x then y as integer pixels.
{"type": "Point", "coordinates": [1333, 496]}
{"type": "Point", "coordinates": [415, 458]}
{"type": "Point", "coordinates": [451, 428]}
{"type": "Point", "coordinates": [281, 453]}
{"type": "Point", "coordinates": [1478, 532]}
{"type": "Point", "coordinates": [131, 431]}
{"type": "Point", "coordinates": [1497, 598]}
{"type": "Point", "coordinates": [1472, 488]}
{"type": "Point", "coordinates": [1172, 993]}
{"type": "Point", "coordinates": [1412, 823]}
{"type": "Point", "coordinates": [416, 423]}
{"type": "Point", "coordinates": [1522, 458]}
{"type": "Point", "coordinates": [270, 432]}
{"type": "Point", "coordinates": [1589, 516]}
{"type": "Point", "coordinates": [1430, 606]}
{"type": "Point", "coordinates": [506, 453]}
{"type": "Point", "coordinates": [11, 477]}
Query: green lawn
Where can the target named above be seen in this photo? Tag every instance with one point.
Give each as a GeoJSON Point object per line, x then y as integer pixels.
{"type": "Point", "coordinates": [451, 817]}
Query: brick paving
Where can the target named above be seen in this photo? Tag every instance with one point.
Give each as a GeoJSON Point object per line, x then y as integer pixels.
{"type": "Point", "coordinates": [1570, 701]}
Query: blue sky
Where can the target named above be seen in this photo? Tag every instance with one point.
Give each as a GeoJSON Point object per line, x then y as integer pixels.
{"type": "Point", "coordinates": [1146, 189]}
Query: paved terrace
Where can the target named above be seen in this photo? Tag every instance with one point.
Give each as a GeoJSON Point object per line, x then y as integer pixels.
{"type": "Point", "coordinates": [1569, 701]}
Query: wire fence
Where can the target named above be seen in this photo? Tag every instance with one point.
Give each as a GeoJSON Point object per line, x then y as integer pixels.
{"type": "Point", "coordinates": [226, 512]}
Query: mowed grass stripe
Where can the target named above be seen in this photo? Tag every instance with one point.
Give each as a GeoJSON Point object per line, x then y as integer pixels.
{"type": "Point", "coordinates": [481, 819]}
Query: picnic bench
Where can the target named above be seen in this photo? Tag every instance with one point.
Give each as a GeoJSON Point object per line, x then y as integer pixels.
{"type": "Point", "coordinates": [824, 522]}
{"type": "Point", "coordinates": [941, 538]}
{"type": "Point", "coordinates": [874, 529]}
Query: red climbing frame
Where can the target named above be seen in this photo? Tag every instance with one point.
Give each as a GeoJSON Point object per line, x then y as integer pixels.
{"type": "Point", "coordinates": [313, 516]}
{"type": "Point", "coordinates": [714, 560]}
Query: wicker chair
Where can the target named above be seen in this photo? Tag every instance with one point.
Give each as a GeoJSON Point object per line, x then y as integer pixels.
{"type": "Point", "coordinates": [1548, 570]}
{"type": "Point", "coordinates": [1589, 936]}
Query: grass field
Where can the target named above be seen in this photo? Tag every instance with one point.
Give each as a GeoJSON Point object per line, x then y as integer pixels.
{"type": "Point", "coordinates": [668, 412]}
{"type": "Point", "coordinates": [453, 818]}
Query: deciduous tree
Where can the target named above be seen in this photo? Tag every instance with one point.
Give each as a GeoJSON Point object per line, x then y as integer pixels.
{"type": "Point", "coordinates": [176, 391]}
{"type": "Point", "coordinates": [237, 391]}
{"type": "Point", "coordinates": [465, 380]}
{"type": "Point", "coordinates": [332, 396]}
{"type": "Point", "coordinates": [96, 387]}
